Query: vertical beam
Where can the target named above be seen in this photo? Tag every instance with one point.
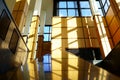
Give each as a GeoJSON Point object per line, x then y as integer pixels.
{"type": "Point", "coordinates": [42, 23]}
{"type": "Point", "coordinates": [103, 38]}
{"type": "Point", "coordinates": [20, 12]}
{"type": "Point", "coordinates": [10, 4]}
{"type": "Point", "coordinates": [32, 41]}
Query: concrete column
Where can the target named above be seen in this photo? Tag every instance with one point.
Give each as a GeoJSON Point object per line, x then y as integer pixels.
{"type": "Point", "coordinates": [20, 12]}
{"type": "Point", "coordinates": [103, 38]}
{"type": "Point", "coordinates": [42, 23]}
{"type": "Point", "coordinates": [32, 40]}
{"type": "Point", "coordinates": [10, 4]}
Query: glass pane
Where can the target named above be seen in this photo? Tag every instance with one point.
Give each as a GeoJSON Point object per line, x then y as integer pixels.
{"type": "Point", "coordinates": [62, 4]}
{"type": "Point", "coordinates": [103, 1]}
{"type": "Point", "coordinates": [98, 4]}
{"type": "Point", "coordinates": [62, 12]}
{"type": "Point", "coordinates": [46, 29]}
{"type": "Point", "coordinates": [50, 29]}
{"type": "Point", "coordinates": [108, 2]}
{"type": "Point", "coordinates": [106, 7]}
{"type": "Point", "coordinates": [86, 12]}
{"type": "Point", "coordinates": [70, 4]}
{"type": "Point", "coordinates": [49, 58]}
{"type": "Point", "coordinates": [46, 37]}
{"type": "Point", "coordinates": [47, 67]}
{"type": "Point", "coordinates": [49, 37]}
{"type": "Point", "coordinates": [45, 59]}
{"type": "Point", "coordinates": [84, 4]}
{"type": "Point", "coordinates": [71, 12]}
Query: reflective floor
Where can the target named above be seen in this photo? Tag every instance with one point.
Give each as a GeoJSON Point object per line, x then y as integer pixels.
{"type": "Point", "coordinates": [83, 70]}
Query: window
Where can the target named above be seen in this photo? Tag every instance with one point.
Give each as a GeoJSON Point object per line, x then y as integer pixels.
{"type": "Point", "coordinates": [47, 63]}
{"type": "Point", "coordinates": [85, 8]}
{"type": "Point", "coordinates": [47, 33]}
{"type": "Point", "coordinates": [104, 5]}
{"type": "Point", "coordinates": [66, 8]}
{"type": "Point", "coordinates": [99, 8]}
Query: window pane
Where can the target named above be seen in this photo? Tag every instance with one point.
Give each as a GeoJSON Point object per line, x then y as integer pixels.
{"type": "Point", "coordinates": [62, 4]}
{"type": "Point", "coordinates": [49, 37]}
{"type": "Point", "coordinates": [70, 4]}
{"type": "Point", "coordinates": [71, 12]}
{"type": "Point", "coordinates": [106, 7]}
{"type": "Point", "coordinates": [86, 12]}
{"type": "Point", "coordinates": [62, 12]}
{"type": "Point", "coordinates": [46, 29]}
{"type": "Point", "coordinates": [84, 4]}
{"type": "Point", "coordinates": [50, 29]}
{"type": "Point", "coordinates": [46, 37]}
{"type": "Point", "coordinates": [103, 1]}
{"type": "Point", "coordinates": [47, 67]}
{"type": "Point", "coordinates": [108, 2]}
{"type": "Point", "coordinates": [45, 59]}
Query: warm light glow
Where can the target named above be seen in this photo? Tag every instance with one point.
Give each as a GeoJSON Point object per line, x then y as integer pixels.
{"type": "Point", "coordinates": [73, 75]}
{"type": "Point", "coordinates": [18, 0]}
{"type": "Point", "coordinates": [99, 29]}
{"type": "Point", "coordinates": [71, 22]}
{"type": "Point", "coordinates": [73, 43]}
{"type": "Point", "coordinates": [72, 33]}
{"type": "Point", "coordinates": [103, 35]}
{"type": "Point", "coordinates": [73, 64]}
{"type": "Point", "coordinates": [56, 33]}
{"type": "Point", "coordinates": [56, 75]}
{"type": "Point", "coordinates": [56, 64]}
{"type": "Point", "coordinates": [56, 22]}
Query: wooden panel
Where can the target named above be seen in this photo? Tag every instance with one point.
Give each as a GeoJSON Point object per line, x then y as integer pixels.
{"type": "Point", "coordinates": [104, 22]}
{"type": "Point", "coordinates": [116, 37]}
{"type": "Point", "coordinates": [108, 32]}
{"type": "Point", "coordinates": [17, 5]}
{"type": "Point", "coordinates": [79, 23]}
{"type": "Point", "coordinates": [109, 15]}
{"type": "Point", "coordinates": [113, 26]}
{"type": "Point", "coordinates": [88, 21]}
{"type": "Point", "coordinates": [90, 32]}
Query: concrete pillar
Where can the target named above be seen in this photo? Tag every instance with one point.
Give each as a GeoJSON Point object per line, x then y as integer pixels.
{"type": "Point", "coordinates": [42, 23]}
{"type": "Point", "coordinates": [103, 38]}
{"type": "Point", "coordinates": [32, 40]}
{"type": "Point", "coordinates": [10, 4]}
{"type": "Point", "coordinates": [20, 12]}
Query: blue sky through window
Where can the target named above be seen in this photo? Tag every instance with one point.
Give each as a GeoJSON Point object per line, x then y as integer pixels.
{"type": "Point", "coordinates": [62, 12]}
{"type": "Point", "coordinates": [84, 4]}
{"type": "Point", "coordinates": [86, 12]}
{"type": "Point", "coordinates": [62, 4]}
{"type": "Point", "coordinates": [71, 4]}
{"type": "Point", "coordinates": [47, 62]}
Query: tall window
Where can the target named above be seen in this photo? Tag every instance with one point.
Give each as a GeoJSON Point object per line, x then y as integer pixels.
{"type": "Point", "coordinates": [47, 33]}
{"type": "Point", "coordinates": [47, 63]}
{"type": "Point", "coordinates": [65, 8]}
